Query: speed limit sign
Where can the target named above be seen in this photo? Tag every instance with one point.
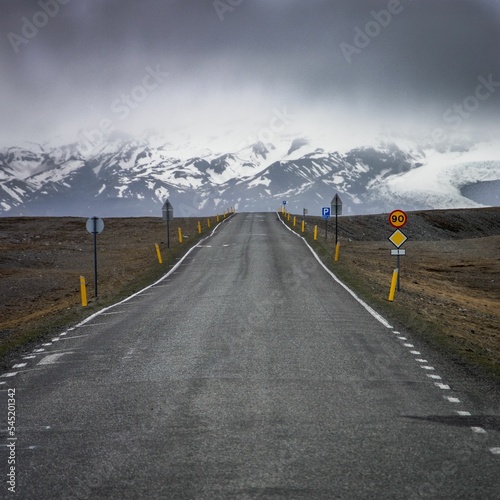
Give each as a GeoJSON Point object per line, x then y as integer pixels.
{"type": "Point", "coordinates": [397, 218]}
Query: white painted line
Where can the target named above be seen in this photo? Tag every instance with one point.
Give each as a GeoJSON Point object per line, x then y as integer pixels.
{"type": "Point", "coordinates": [445, 387]}
{"type": "Point", "coordinates": [65, 333]}
{"type": "Point", "coordinates": [478, 430]}
{"type": "Point", "coordinates": [56, 339]}
{"type": "Point", "coordinates": [397, 333]}
{"type": "Point", "coordinates": [428, 367]}
{"type": "Point", "coordinates": [415, 352]}
{"type": "Point", "coordinates": [47, 344]}
{"type": "Point", "coordinates": [19, 365]}
{"type": "Point", "coordinates": [113, 312]}
{"type": "Point", "coordinates": [2, 383]}
{"type": "Point", "coordinates": [29, 357]}
{"type": "Point", "coordinates": [375, 314]}
{"type": "Point", "coordinates": [408, 345]}
{"type": "Point", "coordinates": [435, 377]}
{"type": "Point", "coordinates": [419, 360]}
{"type": "Point", "coordinates": [451, 399]}
{"type": "Point", "coordinates": [10, 374]}
{"type": "Point", "coordinates": [464, 413]}
{"type": "Point", "coordinates": [52, 358]}
{"type": "Point", "coordinates": [39, 350]}
{"type": "Point", "coordinates": [495, 451]}
{"type": "Point", "coordinates": [402, 338]}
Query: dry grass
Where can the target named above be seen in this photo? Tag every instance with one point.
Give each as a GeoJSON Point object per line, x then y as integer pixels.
{"type": "Point", "coordinates": [450, 287]}
{"type": "Point", "coordinates": [42, 259]}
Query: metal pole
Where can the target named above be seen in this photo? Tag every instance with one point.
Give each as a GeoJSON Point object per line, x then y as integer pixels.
{"type": "Point", "coordinates": [168, 230]}
{"type": "Point", "coordinates": [95, 255]}
{"type": "Point", "coordinates": [326, 229]}
{"type": "Point", "coordinates": [336, 224]}
{"type": "Point", "coordinates": [399, 272]}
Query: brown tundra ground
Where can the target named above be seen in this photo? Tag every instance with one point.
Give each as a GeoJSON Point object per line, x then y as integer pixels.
{"type": "Point", "coordinates": [450, 277]}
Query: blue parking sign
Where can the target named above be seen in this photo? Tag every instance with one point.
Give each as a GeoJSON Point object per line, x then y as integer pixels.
{"type": "Point", "coordinates": [325, 212]}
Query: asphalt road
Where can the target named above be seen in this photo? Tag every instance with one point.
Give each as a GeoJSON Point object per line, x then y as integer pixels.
{"type": "Point", "coordinates": [247, 373]}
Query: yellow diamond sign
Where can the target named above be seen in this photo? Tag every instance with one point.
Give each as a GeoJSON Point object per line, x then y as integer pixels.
{"type": "Point", "coordinates": [397, 238]}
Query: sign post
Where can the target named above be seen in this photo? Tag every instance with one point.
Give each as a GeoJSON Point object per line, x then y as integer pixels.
{"type": "Point", "coordinates": [168, 214]}
{"type": "Point", "coordinates": [336, 206]}
{"type": "Point", "coordinates": [325, 213]}
{"type": "Point", "coordinates": [95, 226]}
{"type": "Point", "coordinates": [397, 219]}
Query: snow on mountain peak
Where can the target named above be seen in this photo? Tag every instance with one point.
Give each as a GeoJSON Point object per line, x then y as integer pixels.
{"type": "Point", "coordinates": [133, 176]}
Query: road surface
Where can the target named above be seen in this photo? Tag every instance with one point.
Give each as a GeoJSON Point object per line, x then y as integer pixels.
{"type": "Point", "coordinates": [247, 373]}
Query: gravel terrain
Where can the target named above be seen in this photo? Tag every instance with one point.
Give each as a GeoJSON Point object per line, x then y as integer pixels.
{"type": "Point", "coordinates": [450, 275]}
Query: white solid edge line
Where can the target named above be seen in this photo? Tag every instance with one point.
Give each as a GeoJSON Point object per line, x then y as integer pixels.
{"type": "Point", "coordinates": [91, 317]}
{"type": "Point", "coordinates": [375, 314]}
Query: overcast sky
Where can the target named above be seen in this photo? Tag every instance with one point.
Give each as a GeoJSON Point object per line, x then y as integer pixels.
{"type": "Point", "coordinates": [205, 65]}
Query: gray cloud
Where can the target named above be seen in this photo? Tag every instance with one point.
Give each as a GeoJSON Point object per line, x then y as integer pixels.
{"type": "Point", "coordinates": [262, 54]}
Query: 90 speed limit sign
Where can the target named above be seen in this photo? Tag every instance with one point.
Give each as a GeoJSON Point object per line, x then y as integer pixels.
{"type": "Point", "coordinates": [397, 218]}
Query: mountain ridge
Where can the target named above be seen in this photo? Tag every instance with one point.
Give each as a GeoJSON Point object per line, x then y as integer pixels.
{"type": "Point", "coordinates": [126, 176]}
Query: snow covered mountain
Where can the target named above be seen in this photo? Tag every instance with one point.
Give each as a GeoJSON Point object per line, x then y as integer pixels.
{"type": "Point", "coordinates": [125, 176]}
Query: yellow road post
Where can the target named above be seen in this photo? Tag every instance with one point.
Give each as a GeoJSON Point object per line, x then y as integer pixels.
{"type": "Point", "coordinates": [393, 284]}
{"type": "Point", "coordinates": [199, 227]}
{"type": "Point", "coordinates": [83, 291]}
{"type": "Point", "coordinates": [208, 223]}
{"type": "Point", "coordinates": [315, 233]}
{"type": "Point", "coordinates": [337, 251]}
{"type": "Point", "coordinates": [303, 226]}
{"type": "Point", "coordinates": [179, 232]}
{"type": "Point", "coordinates": [158, 253]}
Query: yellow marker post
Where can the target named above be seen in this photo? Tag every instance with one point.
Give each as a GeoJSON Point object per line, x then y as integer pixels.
{"type": "Point", "coordinates": [208, 223]}
{"type": "Point", "coordinates": [224, 214]}
{"type": "Point", "coordinates": [294, 221]}
{"type": "Point", "coordinates": [199, 227]}
{"type": "Point", "coordinates": [158, 253]}
{"type": "Point", "coordinates": [303, 226]}
{"type": "Point", "coordinates": [179, 231]}
{"type": "Point", "coordinates": [315, 233]}
{"type": "Point", "coordinates": [83, 291]}
{"type": "Point", "coordinates": [217, 218]}
{"type": "Point", "coordinates": [288, 217]}
{"type": "Point", "coordinates": [393, 284]}
{"type": "Point", "coordinates": [337, 251]}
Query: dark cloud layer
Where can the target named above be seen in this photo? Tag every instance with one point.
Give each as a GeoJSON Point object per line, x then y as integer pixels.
{"type": "Point", "coordinates": [239, 59]}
